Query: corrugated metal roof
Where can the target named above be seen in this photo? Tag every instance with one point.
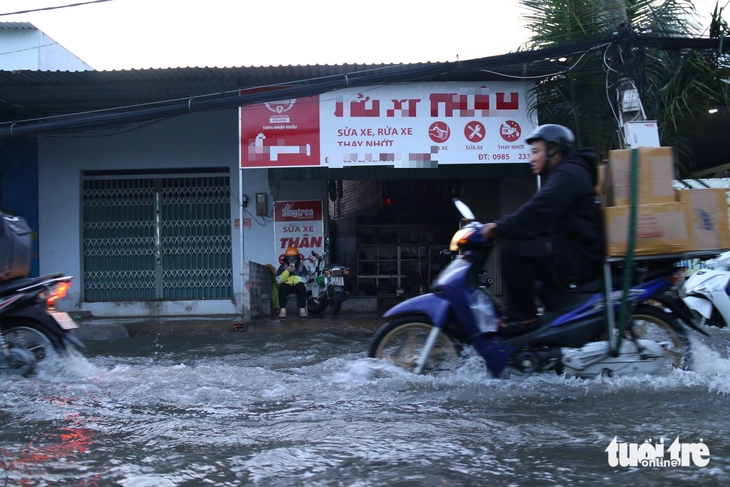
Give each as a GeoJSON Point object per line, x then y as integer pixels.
{"type": "Point", "coordinates": [26, 96]}
{"type": "Point", "coordinates": [29, 93]}
{"type": "Point", "coordinates": [17, 26]}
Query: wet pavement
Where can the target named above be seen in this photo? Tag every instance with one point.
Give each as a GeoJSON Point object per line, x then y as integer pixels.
{"type": "Point", "coordinates": [102, 328]}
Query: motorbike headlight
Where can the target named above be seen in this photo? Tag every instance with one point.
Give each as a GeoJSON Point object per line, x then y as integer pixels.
{"type": "Point", "coordinates": [460, 238]}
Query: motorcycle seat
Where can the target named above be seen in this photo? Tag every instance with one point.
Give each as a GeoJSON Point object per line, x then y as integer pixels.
{"type": "Point", "coordinates": [596, 285]}
{"type": "Point", "coordinates": [12, 285]}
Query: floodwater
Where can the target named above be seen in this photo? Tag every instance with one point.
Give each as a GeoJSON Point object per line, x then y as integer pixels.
{"type": "Point", "coordinates": [308, 408]}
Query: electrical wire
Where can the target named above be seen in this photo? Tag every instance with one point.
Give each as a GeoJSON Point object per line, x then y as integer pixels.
{"type": "Point", "coordinates": [380, 75]}
{"type": "Point", "coordinates": [616, 116]}
{"type": "Point", "coordinates": [107, 131]}
{"type": "Point", "coordinates": [231, 98]}
{"type": "Point", "coordinates": [234, 92]}
{"type": "Point", "coordinates": [54, 8]}
{"type": "Point", "coordinates": [5, 53]}
{"type": "Point", "coordinates": [246, 212]}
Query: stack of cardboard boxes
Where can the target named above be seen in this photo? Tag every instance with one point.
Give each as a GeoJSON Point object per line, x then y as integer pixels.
{"type": "Point", "coordinates": [667, 221]}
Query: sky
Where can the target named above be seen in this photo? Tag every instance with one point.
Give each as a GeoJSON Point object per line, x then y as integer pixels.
{"type": "Point", "coordinates": [140, 34]}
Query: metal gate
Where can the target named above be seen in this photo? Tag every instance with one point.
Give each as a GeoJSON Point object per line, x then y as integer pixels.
{"type": "Point", "coordinates": [157, 238]}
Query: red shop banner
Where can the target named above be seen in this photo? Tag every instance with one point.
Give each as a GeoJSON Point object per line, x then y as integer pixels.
{"type": "Point", "coordinates": [420, 125]}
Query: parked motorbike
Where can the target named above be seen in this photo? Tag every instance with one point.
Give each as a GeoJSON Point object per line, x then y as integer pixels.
{"type": "Point", "coordinates": [707, 291]}
{"type": "Point", "coordinates": [34, 324]}
{"type": "Point", "coordinates": [327, 286]}
{"type": "Point", "coordinates": [428, 332]}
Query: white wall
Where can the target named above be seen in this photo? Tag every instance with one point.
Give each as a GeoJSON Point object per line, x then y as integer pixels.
{"type": "Point", "coordinates": [190, 141]}
{"type": "Point", "coordinates": [32, 49]}
{"type": "Point", "coordinates": [259, 238]}
{"type": "Point", "coordinates": [18, 49]}
{"type": "Point", "coordinates": [54, 57]}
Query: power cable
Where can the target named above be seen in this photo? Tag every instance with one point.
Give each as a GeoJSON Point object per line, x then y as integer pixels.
{"type": "Point", "coordinates": [27, 49]}
{"type": "Point", "coordinates": [54, 8]}
{"type": "Point", "coordinates": [395, 74]}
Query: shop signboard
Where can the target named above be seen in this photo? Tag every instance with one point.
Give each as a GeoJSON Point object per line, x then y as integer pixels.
{"type": "Point", "coordinates": [410, 125]}
{"type": "Point", "coordinates": [299, 224]}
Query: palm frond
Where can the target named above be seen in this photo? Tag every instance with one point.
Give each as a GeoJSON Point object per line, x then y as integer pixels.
{"type": "Point", "coordinates": [676, 88]}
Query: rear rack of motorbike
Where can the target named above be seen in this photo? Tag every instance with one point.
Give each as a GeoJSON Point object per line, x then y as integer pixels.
{"type": "Point", "coordinates": [614, 338]}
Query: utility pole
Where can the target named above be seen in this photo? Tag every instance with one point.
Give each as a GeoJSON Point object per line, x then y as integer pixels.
{"type": "Point", "coordinates": [634, 129]}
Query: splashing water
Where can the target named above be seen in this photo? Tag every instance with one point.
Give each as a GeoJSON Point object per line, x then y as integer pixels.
{"type": "Point", "coordinates": [312, 409]}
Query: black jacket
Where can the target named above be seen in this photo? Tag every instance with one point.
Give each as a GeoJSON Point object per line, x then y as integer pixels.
{"type": "Point", "coordinates": [566, 207]}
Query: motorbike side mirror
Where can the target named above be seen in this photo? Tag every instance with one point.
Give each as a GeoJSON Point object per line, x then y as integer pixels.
{"type": "Point", "coordinates": [466, 213]}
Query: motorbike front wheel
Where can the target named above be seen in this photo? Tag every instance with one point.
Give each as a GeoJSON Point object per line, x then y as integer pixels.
{"type": "Point", "coordinates": [336, 302]}
{"type": "Point", "coordinates": [715, 319]}
{"type": "Point", "coordinates": [401, 340]}
{"type": "Point", "coordinates": [315, 305]}
{"type": "Point", "coordinates": [656, 324]}
{"type": "Point", "coordinates": [33, 337]}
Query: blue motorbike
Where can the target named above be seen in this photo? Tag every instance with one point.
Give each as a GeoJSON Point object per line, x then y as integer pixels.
{"type": "Point", "coordinates": [427, 333]}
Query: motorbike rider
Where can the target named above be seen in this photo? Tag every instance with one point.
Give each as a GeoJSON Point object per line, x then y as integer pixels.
{"type": "Point", "coordinates": [557, 236]}
{"type": "Point", "coordinates": [292, 276]}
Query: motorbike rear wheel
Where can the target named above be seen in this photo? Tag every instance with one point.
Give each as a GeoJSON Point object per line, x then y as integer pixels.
{"type": "Point", "coordinates": [33, 337]}
{"type": "Point", "coordinates": [20, 362]}
{"type": "Point", "coordinates": [656, 324]}
{"type": "Point", "coordinates": [401, 340]}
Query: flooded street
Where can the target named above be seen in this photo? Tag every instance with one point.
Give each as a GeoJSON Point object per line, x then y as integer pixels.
{"type": "Point", "coordinates": [308, 408]}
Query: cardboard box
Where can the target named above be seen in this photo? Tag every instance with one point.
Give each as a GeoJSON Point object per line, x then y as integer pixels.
{"type": "Point", "coordinates": [656, 174]}
{"type": "Point", "coordinates": [707, 218]}
{"type": "Point", "coordinates": [660, 229]}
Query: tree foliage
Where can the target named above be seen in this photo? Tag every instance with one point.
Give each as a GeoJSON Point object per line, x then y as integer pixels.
{"type": "Point", "coordinates": [676, 86]}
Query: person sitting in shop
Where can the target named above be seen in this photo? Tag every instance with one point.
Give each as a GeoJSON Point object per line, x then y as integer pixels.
{"type": "Point", "coordinates": [292, 276]}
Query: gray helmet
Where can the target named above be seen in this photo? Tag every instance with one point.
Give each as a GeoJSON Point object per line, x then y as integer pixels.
{"type": "Point", "coordinates": [558, 135]}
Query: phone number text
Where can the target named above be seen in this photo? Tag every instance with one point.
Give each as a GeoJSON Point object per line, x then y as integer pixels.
{"type": "Point", "coordinates": [503, 157]}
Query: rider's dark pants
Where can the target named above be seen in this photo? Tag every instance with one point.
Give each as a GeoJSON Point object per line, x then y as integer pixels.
{"type": "Point", "coordinates": [549, 260]}
{"type": "Point", "coordinates": [299, 289]}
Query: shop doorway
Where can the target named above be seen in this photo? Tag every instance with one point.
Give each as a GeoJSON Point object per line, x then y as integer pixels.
{"type": "Point", "coordinates": [393, 233]}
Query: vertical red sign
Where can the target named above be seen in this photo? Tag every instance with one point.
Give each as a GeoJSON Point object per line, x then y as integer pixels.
{"type": "Point", "coordinates": [299, 224]}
